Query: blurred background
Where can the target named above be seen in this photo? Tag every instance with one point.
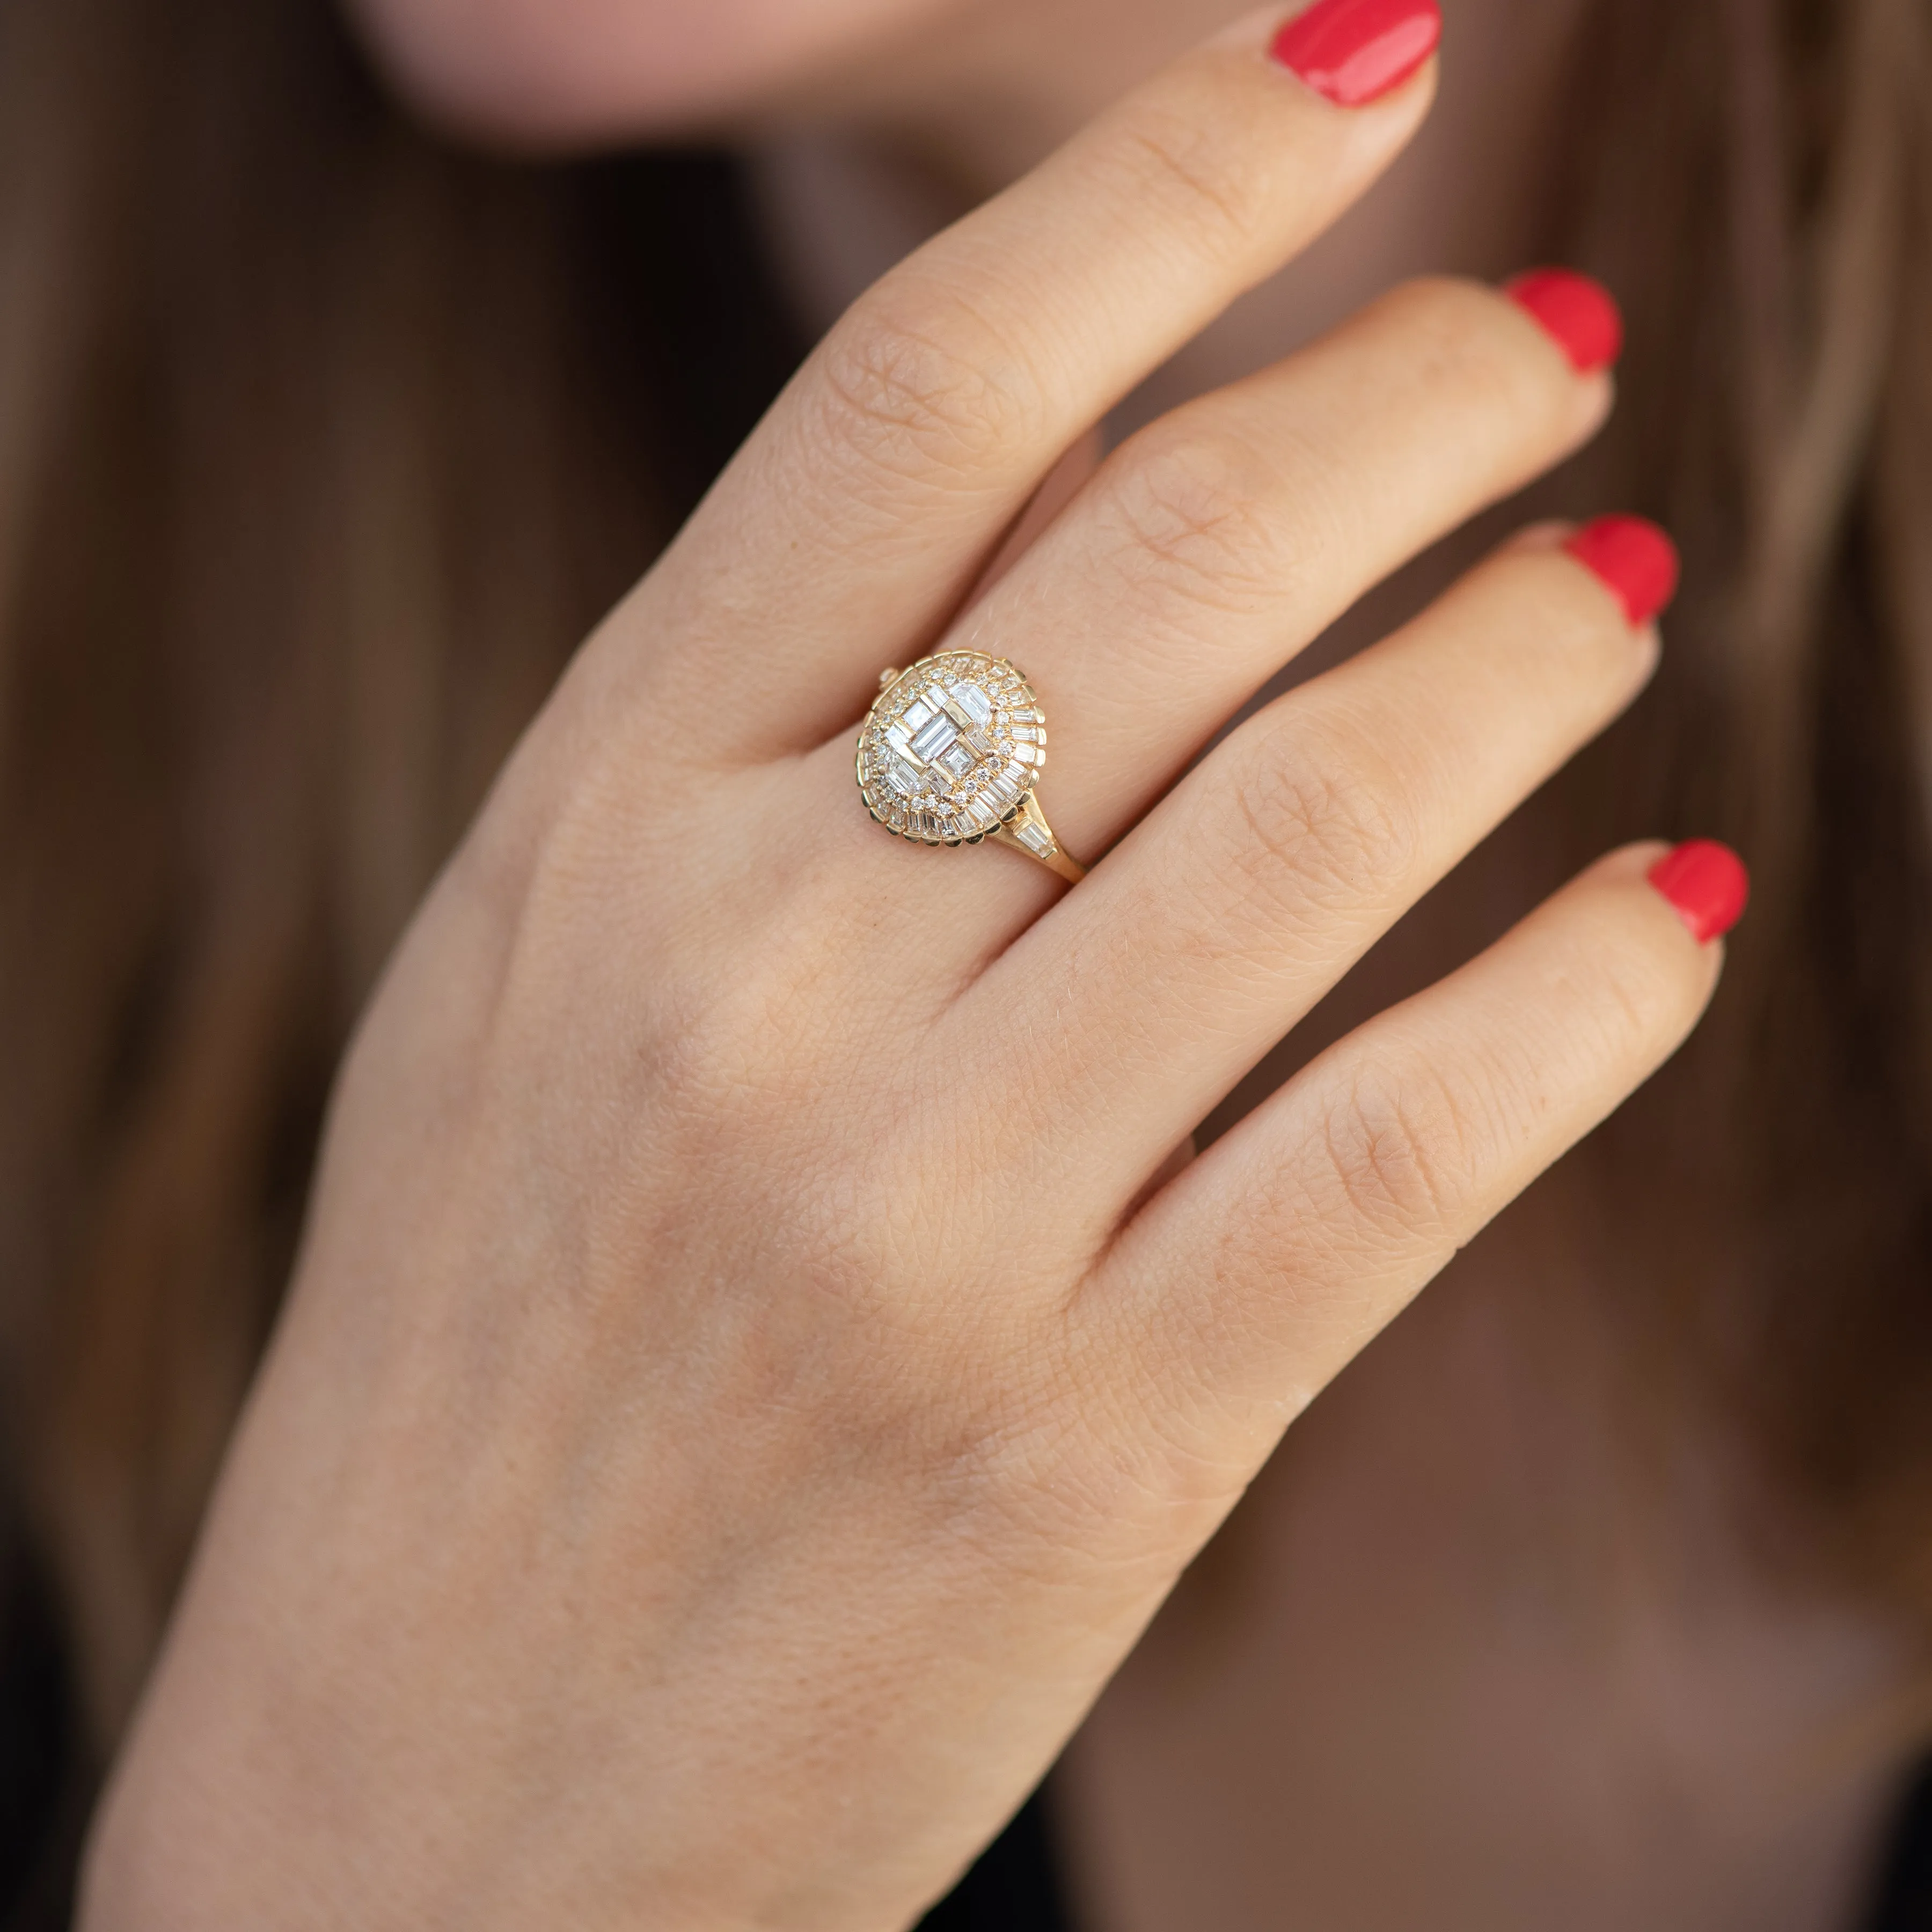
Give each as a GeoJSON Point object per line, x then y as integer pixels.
{"type": "Point", "coordinates": [324, 438]}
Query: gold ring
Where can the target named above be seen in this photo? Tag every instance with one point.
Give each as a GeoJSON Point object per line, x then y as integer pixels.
{"type": "Point", "coordinates": [949, 754]}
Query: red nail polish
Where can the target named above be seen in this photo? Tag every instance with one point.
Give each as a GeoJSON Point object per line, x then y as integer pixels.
{"type": "Point", "coordinates": [1634, 557]}
{"type": "Point", "coordinates": [1581, 314]}
{"type": "Point", "coordinates": [1356, 51]}
{"type": "Point", "coordinates": [1707, 884]}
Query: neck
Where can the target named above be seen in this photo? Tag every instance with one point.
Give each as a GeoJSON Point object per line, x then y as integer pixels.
{"type": "Point", "coordinates": [851, 188]}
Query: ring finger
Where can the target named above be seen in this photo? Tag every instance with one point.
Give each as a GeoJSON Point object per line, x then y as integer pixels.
{"type": "Point", "coordinates": [1236, 904]}
{"type": "Point", "coordinates": [1211, 548]}
{"type": "Point", "coordinates": [1219, 542]}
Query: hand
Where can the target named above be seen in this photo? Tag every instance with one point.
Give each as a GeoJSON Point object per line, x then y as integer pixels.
{"type": "Point", "coordinates": [754, 1369]}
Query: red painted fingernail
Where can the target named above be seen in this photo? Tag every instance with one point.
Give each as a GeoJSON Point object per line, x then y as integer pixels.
{"type": "Point", "coordinates": [1582, 315]}
{"type": "Point", "coordinates": [1707, 884]}
{"type": "Point", "coordinates": [1634, 557]}
{"type": "Point", "coordinates": [1356, 51]}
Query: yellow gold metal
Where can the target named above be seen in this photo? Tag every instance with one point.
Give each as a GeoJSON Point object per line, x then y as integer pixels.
{"type": "Point", "coordinates": [950, 754]}
{"type": "Point", "coordinates": [1051, 855]}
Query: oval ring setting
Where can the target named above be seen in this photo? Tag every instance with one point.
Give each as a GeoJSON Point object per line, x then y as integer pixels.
{"type": "Point", "coordinates": [950, 754]}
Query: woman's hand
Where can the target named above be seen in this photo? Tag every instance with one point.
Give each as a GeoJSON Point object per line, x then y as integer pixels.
{"type": "Point", "coordinates": [753, 1370]}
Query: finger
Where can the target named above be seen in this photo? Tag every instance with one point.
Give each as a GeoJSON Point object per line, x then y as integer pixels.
{"type": "Point", "coordinates": [1061, 485]}
{"type": "Point", "coordinates": [1242, 898]}
{"type": "Point", "coordinates": [849, 526]}
{"type": "Point", "coordinates": [1218, 542]}
{"type": "Point", "coordinates": [1247, 1282]}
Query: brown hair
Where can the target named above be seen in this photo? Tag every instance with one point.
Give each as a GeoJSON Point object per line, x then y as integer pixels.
{"type": "Point", "coordinates": [321, 444]}
{"type": "Point", "coordinates": [322, 441]}
{"type": "Point", "coordinates": [1754, 178]}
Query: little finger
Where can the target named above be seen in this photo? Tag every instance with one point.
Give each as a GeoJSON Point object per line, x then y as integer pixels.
{"type": "Point", "coordinates": [1248, 1281]}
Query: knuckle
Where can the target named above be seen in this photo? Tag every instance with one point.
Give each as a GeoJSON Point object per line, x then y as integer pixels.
{"type": "Point", "coordinates": [1189, 508]}
{"type": "Point", "coordinates": [1321, 825]}
{"type": "Point", "coordinates": [716, 1039]}
{"type": "Point", "coordinates": [1194, 168]}
{"type": "Point", "coordinates": [913, 381]}
{"type": "Point", "coordinates": [1625, 1000]}
{"type": "Point", "coordinates": [1406, 1149]}
{"type": "Point", "coordinates": [1460, 337]}
{"type": "Point", "coordinates": [1545, 601]}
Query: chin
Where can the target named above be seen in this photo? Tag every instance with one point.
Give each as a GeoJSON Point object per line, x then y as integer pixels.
{"type": "Point", "coordinates": [564, 74]}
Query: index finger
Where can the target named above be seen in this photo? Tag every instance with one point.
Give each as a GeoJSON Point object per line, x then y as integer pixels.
{"type": "Point", "coordinates": [852, 522]}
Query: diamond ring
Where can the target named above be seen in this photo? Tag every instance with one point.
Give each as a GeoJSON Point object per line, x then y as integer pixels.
{"type": "Point", "coordinates": [949, 754]}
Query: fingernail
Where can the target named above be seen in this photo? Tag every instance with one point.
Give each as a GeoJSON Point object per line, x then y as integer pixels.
{"type": "Point", "coordinates": [1582, 314]}
{"type": "Point", "coordinates": [1708, 885]}
{"type": "Point", "coordinates": [1355, 51]}
{"type": "Point", "coordinates": [1634, 557]}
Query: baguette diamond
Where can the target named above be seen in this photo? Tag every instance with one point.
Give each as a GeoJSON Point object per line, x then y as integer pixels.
{"type": "Point", "coordinates": [949, 754]}
{"type": "Point", "coordinates": [950, 748]}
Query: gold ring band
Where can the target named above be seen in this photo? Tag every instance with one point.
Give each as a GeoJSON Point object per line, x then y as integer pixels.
{"type": "Point", "coordinates": [950, 754]}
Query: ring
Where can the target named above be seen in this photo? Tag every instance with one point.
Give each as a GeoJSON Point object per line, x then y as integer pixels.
{"type": "Point", "coordinates": [949, 754]}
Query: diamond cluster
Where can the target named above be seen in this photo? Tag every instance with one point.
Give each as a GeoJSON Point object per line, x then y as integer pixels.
{"type": "Point", "coordinates": [951, 749]}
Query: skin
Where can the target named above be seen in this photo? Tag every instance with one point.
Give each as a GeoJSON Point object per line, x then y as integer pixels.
{"type": "Point", "coordinates": [756, 1365]}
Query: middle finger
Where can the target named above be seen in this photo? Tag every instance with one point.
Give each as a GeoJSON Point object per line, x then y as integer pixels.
{"type": "Point", "coordinates": [1217, 544]}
